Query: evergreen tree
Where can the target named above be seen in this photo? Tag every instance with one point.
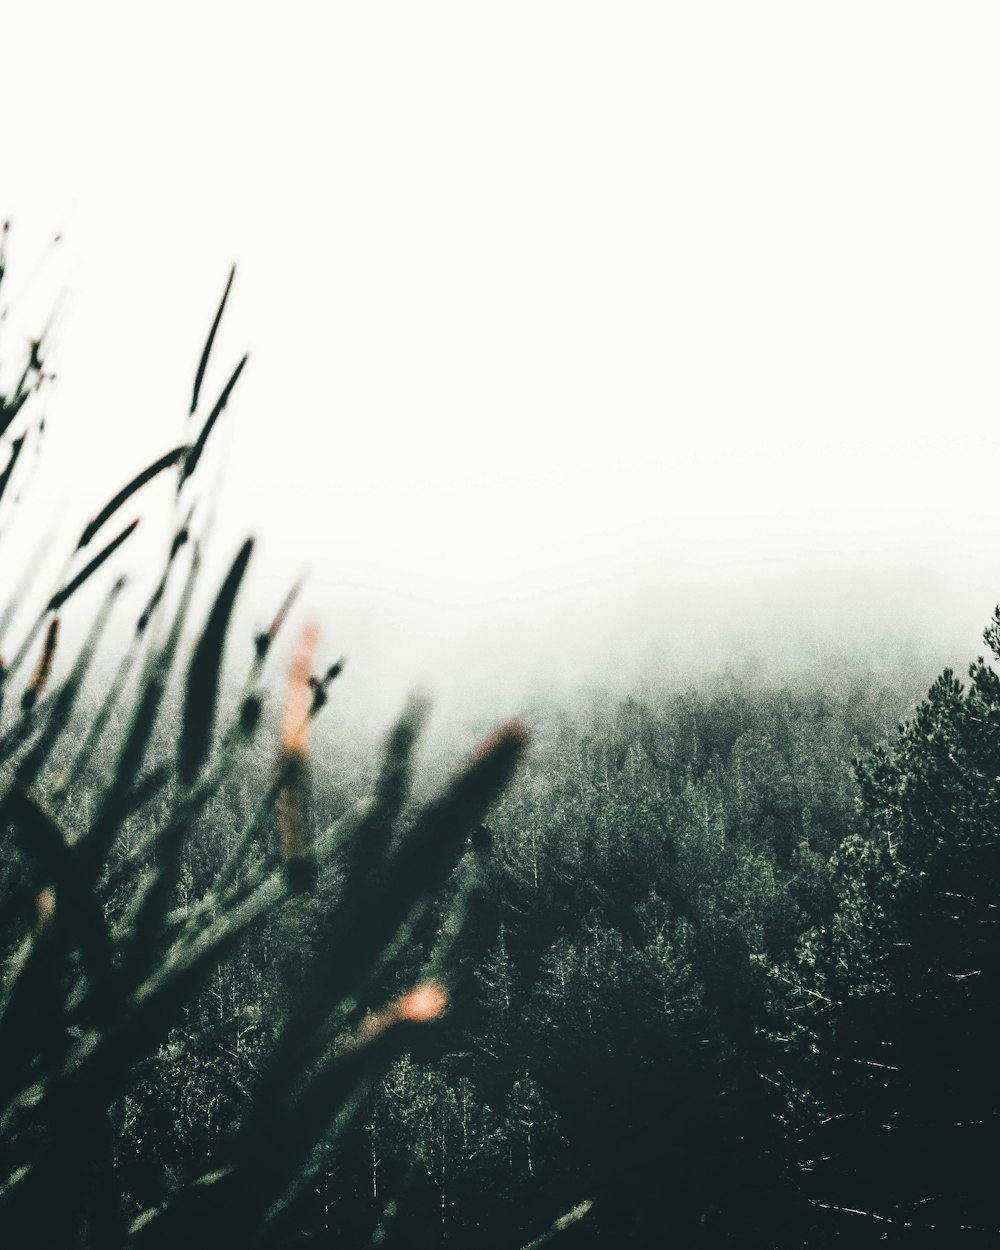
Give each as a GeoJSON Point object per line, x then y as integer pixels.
{"type": "Point", "coordinates": [897, 1000]}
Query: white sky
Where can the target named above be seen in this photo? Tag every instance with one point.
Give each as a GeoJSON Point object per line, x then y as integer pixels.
{"type": "Point", "coordinates": [557, 311]}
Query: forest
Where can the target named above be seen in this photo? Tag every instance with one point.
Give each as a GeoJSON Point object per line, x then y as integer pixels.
{"type": "Point", "coordinates": [700, 965]}
{"type": "Point", "coordinates": [735, 986]}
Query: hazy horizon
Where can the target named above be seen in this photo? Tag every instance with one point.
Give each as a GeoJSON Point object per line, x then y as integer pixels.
{"type": "Point", "coordinates": [582, 338]}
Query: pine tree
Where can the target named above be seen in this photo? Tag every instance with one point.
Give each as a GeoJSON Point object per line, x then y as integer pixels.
{"type": "Point", "coordinates": [896, 1002]}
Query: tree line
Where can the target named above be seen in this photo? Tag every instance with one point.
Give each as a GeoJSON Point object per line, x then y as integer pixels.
{"type": "Point", "coordinates": [731, 961]}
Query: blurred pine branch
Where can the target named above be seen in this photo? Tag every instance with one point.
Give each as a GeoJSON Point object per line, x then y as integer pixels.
{"type": "Point", "coordinates": [89, 991]}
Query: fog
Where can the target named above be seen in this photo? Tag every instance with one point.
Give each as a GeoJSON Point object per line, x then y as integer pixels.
{"type": "Point", "coordinates": [585, 339]}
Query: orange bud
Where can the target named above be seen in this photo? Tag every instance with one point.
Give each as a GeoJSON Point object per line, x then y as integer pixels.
{"type": "Point", "coordinates": [290, 812]}
{"type": "Point", "coordinates": [426, 1002]}
{"type": "Point", "coordinates": [514, 733]}
{"type": "Point", "coordinates": [298, 697]}
{"type": "Point", "coordinates": [45, 905]}
{"type": "Point", "coordinates": [44, 666]}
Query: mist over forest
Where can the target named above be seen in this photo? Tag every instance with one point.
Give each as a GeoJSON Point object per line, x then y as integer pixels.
{"type": "Point", "coordinates": [699, 950]}
{"type": "Point", "coordinates": [500, 686]}
{"type": "Point", "coordinates": [635, 908]}
{"type": "Point", "coordinates": [684, 1003]}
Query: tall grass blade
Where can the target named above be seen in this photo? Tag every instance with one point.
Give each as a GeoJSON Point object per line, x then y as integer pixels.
{"type": "Point", "coordinates": [77, 908]}
{"type": "Point", "coordinates": [194, 455]}
{"type": "Point", "coordinates": [140, 480]}
{"type": "Point", "coordinates": [203, 674]}
{"type": "Point", "coordinates": [98, 839]}
{"type": "Point", "coordinates": [60, 597]}
{"type": "Point", "coordinates": [10, 408]}
{"type": "Point", "coordinates": [43, 668]}
{"type": "Point", "coordinates": [264, 640]}
{"type": "Point", "coordinates": [15, 451]}
{"type": "Point", "coordinates": [199, 376]}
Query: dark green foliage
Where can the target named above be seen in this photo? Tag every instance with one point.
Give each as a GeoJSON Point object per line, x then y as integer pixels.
{"type": "Point", "coordinates": [15, 452]}
{"type": "Point", "coordinates": [72, 586]}
{"type": "Point", "coordinates": [897, 999]}
{"type": "Point", "coordinates": [131, 887]}
{"type": "Point", "coordinates": [204, 672]}
{"type": "Point", "coordinates": [615, 1046]}
{"type": "Point", "coordinates": [193, 457]}
{"type": "Point", "coordinates": [199, 376]}
{"type": "Point", "coordinates": [713, 984]}
{"type": "Point", "coordinates": [126, 493]}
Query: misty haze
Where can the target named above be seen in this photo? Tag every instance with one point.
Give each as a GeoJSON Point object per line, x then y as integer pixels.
{"type": "Point", "coordinates": [499, 705]}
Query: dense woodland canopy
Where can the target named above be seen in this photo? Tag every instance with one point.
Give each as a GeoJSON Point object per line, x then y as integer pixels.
{"type": "Point", "coordinates": [739, 948]}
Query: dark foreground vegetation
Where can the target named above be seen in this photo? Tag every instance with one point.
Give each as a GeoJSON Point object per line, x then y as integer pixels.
{"type": "Point", "coordinates": [110, 940]}
{"type": "Point", "coordinates": [714, 967]}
